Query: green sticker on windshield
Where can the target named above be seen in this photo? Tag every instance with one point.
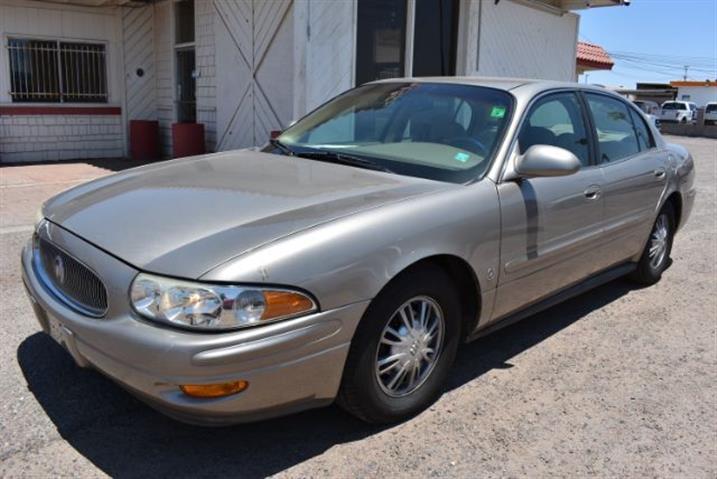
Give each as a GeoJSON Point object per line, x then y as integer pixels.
{"type": "Point", "coordinates": [462, 157]}
{"type": "Point", "coordinates": [497, 112]}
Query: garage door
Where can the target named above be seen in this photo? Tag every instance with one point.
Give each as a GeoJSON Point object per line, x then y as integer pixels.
{"type": "Point", "coordinates": [254, 58]}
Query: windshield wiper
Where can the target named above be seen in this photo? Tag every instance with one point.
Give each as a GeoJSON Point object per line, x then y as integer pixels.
{"type": "Point", "coordinates": [280, 146]}
{"type": "Point", "coordinates": [343, 159]}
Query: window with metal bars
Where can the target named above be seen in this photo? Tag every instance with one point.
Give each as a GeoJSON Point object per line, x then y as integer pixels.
{"type": "Point", "coordinates": [50, 71]}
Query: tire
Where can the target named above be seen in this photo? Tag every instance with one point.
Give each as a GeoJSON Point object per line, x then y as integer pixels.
{"type": "Point", "coordinates": [651, 266]}
{"type": "Point", "coordinates": [369, 395]}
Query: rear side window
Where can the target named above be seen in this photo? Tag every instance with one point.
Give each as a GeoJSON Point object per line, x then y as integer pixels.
{"type": "Point", "coordinates": [644, 136]}
{"type": "Point", "coordinates": [615, 132]}
{"type": "Point", "coordinates": [557, 120]}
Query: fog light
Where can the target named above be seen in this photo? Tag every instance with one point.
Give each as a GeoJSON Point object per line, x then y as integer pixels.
{"type": "Point", "coordinates": [214, 390]}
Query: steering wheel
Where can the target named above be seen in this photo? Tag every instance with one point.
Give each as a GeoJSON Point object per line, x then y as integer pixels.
{"type": "Point", "coordinates": [469, 143]}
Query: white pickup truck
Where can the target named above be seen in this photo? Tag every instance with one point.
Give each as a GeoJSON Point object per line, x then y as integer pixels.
{"type": "Point", "coordinates": [678, 112]}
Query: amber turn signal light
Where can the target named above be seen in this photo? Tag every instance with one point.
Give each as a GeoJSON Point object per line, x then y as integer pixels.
{"type": "Point", "coordinates": [214, 390]}
{"type": "Point", "coordinates": [280, 304]}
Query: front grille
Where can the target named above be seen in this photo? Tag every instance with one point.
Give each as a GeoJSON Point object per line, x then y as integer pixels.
{"type": "Point", "coordinates": [70, 280]}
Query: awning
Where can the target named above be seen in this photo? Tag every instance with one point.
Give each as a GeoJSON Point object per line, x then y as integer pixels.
{"type": "Point", "coordinates": [582, 4]}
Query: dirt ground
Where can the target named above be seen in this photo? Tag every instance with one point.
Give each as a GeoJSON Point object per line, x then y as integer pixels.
{"type": "Point", "coordinates": [619, 382]}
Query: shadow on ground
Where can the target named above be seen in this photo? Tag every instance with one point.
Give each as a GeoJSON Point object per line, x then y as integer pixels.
{"type": "Point", "coordinates": [123, 437]}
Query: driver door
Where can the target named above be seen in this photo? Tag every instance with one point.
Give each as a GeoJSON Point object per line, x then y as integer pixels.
{"type": "Point", "coordinates": [550, 225]}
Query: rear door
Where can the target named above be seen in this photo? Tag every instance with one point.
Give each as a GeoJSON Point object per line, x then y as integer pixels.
{"type": "Point", "coordinates": [634, 171]}
{"type": "Point", "coordinates": [550, 226]}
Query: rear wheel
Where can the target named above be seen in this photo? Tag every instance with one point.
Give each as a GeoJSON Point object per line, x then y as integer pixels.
{"type": "Point", "coordinates": [655, 258]}
{"type": "Point", "coordinates": [403, 349]}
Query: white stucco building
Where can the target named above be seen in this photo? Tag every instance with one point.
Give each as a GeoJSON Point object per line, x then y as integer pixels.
{"type": "Point", "coordinates": [73, 73]}
{"type": "Point", "coordinates": [698, 92]}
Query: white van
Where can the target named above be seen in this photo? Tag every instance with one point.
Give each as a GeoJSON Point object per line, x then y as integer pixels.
{"type": "Point", "coordinates": [711, 113]}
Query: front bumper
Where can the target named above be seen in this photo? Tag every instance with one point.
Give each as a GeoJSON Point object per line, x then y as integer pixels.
{"type": "Point", "coordinates": [290, 365]}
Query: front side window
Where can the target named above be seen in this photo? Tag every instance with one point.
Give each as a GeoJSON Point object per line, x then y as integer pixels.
{"type": "Point", "coordinates": [557, 120]}
{"type": "Point", "coordinates": [50, 71]}
{"type": "Point", "coordinates": [670, 106]}
{"type": "Point", "coordinates": [615, 131]}
{"type": "Point", "coordinates": [439, 131]}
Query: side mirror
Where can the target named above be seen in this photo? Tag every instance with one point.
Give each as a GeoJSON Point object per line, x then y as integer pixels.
{"type": "Point", "coordinates": [546, 160]}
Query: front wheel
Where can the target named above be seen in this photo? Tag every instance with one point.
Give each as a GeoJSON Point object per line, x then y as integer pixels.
{"type": "Point", "coordinates": [655, 258]}
{"type": "Point", "coordinates": [403, 348]}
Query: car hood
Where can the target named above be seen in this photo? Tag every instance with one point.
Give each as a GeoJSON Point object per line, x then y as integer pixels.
{"type": "Point", "coordinates": [184, 217]}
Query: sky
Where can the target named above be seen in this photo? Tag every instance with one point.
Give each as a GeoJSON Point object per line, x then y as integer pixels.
{"type": "Point", "coordinates": [652, 40]}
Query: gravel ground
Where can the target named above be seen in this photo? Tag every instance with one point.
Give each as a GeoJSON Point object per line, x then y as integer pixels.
{"type": "Point", "coordinates": [619, 382]}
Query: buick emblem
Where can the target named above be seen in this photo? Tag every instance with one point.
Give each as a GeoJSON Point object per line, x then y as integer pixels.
{"type": "Point", "coordinates": [59, 269]}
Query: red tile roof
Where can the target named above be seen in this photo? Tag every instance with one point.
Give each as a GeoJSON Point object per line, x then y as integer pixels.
{"type": "Point", "coordinates": [593, 56]}
{"type": "Point", "coordinates": [679, 83]}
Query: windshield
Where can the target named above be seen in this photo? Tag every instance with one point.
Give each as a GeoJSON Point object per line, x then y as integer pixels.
{"type": "Point", "coordinates": [444, 132]}
{"type": "Point", "coordinates": [672, 106]}
{"type": "Point", "coordinates": [711, 107]}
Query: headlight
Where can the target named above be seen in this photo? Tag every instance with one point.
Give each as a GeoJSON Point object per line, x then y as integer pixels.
{"type": "Point", "coordinates": [214, 307]}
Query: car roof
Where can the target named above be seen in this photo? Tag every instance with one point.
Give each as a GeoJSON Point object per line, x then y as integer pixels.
{"type": "Point", "coordinates": [491, 82]}
{"type": "Point", "coordinates": [530, 86]}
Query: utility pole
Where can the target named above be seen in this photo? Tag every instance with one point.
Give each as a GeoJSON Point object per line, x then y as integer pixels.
{"type": "Point", "coordinates": [687, 67]}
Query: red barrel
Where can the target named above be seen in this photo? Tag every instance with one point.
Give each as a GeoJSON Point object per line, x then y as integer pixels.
{"type": "Point", "coordinates": [187, 139]}
{"type": "Point", "coordinates": [144, 140]}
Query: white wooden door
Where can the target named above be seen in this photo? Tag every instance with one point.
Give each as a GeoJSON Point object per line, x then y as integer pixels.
{"type": "Point", "coordinates": [255, 65]}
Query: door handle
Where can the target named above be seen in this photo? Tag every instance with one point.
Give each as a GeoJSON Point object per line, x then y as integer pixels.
{"type": "Point", "coordinates": [659, 173]}
{"type": "Point", "coordinates": [593, 192]}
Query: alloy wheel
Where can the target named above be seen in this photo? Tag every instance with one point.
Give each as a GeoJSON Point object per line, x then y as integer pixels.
{"type": "Point", "coordinates": [659, 241]}
{"type": "Point", "coordinates": [410, 346]}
